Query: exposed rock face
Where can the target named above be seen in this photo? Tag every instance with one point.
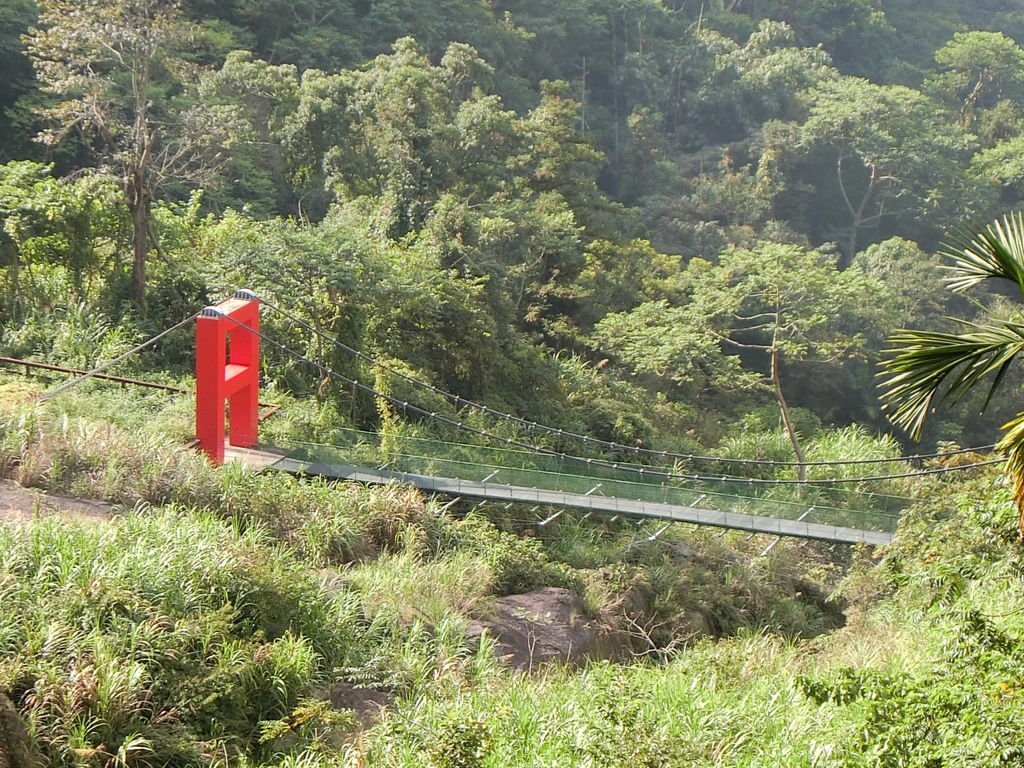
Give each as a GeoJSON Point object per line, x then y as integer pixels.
{"type": "Point", "coordinates": [547, 625]}
{"type": "Point", "coordinates": [365, 703]}
{"type": "Point", "coordinates": [15, 746]}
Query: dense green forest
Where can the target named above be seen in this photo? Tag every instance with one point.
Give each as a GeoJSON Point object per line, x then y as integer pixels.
{"type": "Point", "coordinates": [519, 203]}
{"type": "Point", "coordinates": [683, 226]}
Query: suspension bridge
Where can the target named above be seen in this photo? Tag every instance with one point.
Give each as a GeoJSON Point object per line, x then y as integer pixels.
{"type": "Point", "coordinates": [552, 470]}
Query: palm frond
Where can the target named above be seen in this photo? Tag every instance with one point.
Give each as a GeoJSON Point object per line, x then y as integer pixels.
{"type": "Point", "coordinates": [922, 364]}
{"type": "Point", "coordinates": [981, 254]}
{"type": "Point", "coordinates": [1012, 446]}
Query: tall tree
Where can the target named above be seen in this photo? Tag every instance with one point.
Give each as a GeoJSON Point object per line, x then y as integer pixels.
{"type": "Point", "coordinates": [15, 73]}
{"type": "Point", "coordinates": [432, 153]}
{"type": "Point", "coordinates": [894, 157]}
{"type": "Point", "coordinates": [978, 71]}
{"type": "Point", "coordinates": [262, 175]}
{"type": "Point", "coordinates": [748, 317]}
{"type": "Point", "coordinates": [46, 221]}
{"type": "Point", "coordinates": [855, 33]}
{"type": "Point", "coordinates": [121, 78]}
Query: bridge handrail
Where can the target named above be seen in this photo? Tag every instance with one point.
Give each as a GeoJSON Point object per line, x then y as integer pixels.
{"type": "Point", "coordinates": [789, 508]}
{"type": "Point", "coordinates": [623, 465]}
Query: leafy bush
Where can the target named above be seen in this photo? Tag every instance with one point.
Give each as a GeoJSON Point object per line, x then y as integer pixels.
{"type": "Point", "coordinates": [74, 335]}
{"type": "Point", "coordinates": [956, 576]}
{"type": "Point", "coordinates": [460, 743]}
{"type": "Point", "coordinates": [518, 564]}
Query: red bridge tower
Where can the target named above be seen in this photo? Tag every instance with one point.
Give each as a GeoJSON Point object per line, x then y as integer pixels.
{"type": "Point", "coordinates": [228, 371]}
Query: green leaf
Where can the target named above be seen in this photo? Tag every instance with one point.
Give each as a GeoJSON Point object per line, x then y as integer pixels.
{"type": "Point", "coordinates": [995, 251]}
{"type": "Point", "coordinates": [923, 363]}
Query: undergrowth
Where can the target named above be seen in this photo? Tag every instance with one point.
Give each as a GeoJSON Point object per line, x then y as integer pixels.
{"type": "Point", "coordinates": [208, 621]}
{"type": "Point", "coordinates": [165, 639]}
{"type": "Point", "coordinates": [926, 675]}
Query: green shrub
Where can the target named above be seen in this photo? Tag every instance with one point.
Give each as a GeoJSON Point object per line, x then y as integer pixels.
{"type": "Point", "coordinates": [518, 563]}
{"type": "Point", "coordinates": [460, 743]}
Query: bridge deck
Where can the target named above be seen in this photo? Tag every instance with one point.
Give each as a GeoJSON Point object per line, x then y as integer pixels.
{"type": "Point", "coordinates": [268, 459]}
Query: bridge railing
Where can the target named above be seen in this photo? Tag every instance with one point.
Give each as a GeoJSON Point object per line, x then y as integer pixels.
{"type": "Point", "coordinates": [514, 467]}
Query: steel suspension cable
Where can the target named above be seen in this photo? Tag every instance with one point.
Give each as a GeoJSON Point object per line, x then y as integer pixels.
{"type": "Point", "coordinates": [642, 471]}
{"type": "Point", "coordinates": [606, 444]}
{"type": "Point", "coordinates": [134, 350]}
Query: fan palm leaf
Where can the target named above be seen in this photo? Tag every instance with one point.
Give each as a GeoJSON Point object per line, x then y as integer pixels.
{"type": "Point", "coordinates": [1012, 445]}
{"type": "Point", "coordinates": [976, 255]}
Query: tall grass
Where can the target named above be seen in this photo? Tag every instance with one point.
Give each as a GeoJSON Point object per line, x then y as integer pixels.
{"type": "Point", "coordinates": [720, 704]}
{"type": "Point", "coordinates": [170, 635]}
{"type": "Point", "coordinates": [328, 526]}
{"type": "Point", "coordinates": [97, 460]}
{"type": "Point", "coordinates": [928, 676]}
{"type": "Point", "coordinates": [196, 633]}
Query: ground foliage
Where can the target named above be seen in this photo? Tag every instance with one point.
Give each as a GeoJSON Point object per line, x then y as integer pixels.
{"type": "Point", "coordinates": [925, 674]}
{"type": "Point", "coordinates": [264, 591]}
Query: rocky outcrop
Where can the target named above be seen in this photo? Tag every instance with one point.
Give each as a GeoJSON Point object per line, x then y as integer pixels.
{"type": "Point", "coordinates": [547, 625]}
{"type": "Point", "coordinates": [365, 704]}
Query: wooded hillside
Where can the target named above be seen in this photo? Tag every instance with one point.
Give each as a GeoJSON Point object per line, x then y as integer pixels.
{"type": "Point", "coordinates": [658, 239]}
{"type": "Point", "coordinates": [518, 201]}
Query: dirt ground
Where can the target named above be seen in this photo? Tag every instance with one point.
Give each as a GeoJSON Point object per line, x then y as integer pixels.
{"type": "Point", "coordinates": [18, 503]}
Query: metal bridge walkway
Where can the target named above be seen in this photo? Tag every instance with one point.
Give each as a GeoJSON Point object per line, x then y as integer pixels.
{"type": "Point", "coordinates": [268, 459]}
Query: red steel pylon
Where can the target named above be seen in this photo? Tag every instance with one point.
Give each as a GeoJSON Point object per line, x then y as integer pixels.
{"type": "Point", "coordinates": [228, 371]}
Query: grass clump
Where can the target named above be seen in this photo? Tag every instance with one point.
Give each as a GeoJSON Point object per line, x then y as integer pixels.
{"type": "Point", "coordinates": [329, 523]}
{"type": "Point", "coordinates": [166, 638]}
{"type": "Point", "coordinates": [517, 563]}
{"type": "Point", "coordinates": [101, 461]}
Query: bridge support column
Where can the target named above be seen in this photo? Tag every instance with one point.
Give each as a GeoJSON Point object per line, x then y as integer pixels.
{"type": "Point", "coordinates": [228, 372]}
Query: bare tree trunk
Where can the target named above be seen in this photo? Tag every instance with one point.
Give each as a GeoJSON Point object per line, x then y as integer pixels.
{"type": "Point", "coordinates": [138, 205]}
{"type": "Point", "coordinates": [14, 301]}
{"type": "Point", "coordinates": [857, 213]}
{"type": "Point", "coordinates": [787, 418]}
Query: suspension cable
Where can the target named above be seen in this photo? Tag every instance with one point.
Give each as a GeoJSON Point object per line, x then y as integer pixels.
{"type": "Point", "coordinates": [100, 369]}
{"type": "Point", "coordinates": [642, 471]}
{"type": "Point", "coordinates": [458, 400]}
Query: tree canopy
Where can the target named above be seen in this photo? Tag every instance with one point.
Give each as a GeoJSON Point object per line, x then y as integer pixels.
{"type": "Point", "coordinates": [485, 192]}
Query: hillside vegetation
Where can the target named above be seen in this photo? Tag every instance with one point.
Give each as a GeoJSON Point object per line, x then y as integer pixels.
{"type": "Point", "coordinates": [661, 229]}
{"type": "Point", "coordinates": [210, 620]}
{"type": "Point", "coordinates": [587, 213]}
